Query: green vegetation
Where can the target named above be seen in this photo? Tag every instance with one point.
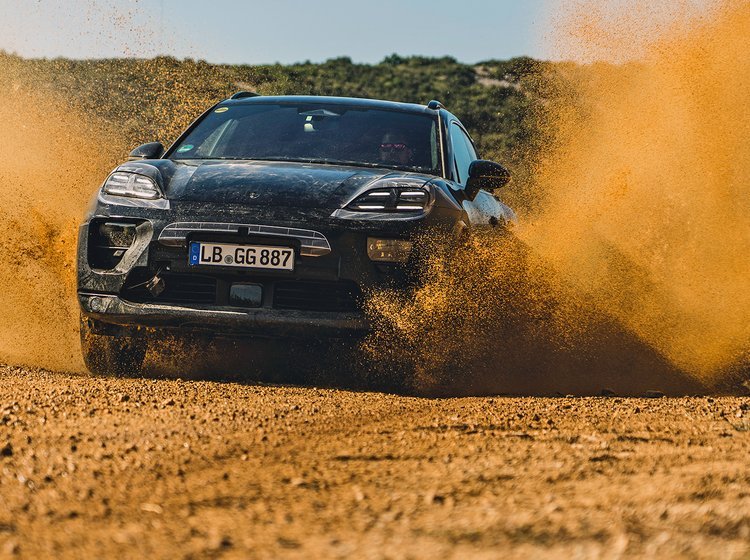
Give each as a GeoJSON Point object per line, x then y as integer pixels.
{"type": "Point", "coordinates": [145, 100]}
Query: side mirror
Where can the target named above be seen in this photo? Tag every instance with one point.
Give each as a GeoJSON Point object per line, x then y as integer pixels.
{"type": "Point", "coordinates": [152, 150]}
{"type": "Point", "coordinates": [486, 175]}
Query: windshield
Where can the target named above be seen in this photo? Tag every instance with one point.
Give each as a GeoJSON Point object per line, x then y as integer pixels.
{"type": "Point", "coordinates": [317, 133]}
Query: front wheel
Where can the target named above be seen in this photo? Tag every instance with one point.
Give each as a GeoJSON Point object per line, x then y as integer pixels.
{"type": "Point", "coordinates": [114, 355]}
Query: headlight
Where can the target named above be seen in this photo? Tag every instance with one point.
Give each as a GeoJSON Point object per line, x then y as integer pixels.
{"type": "Point", "coordinates": [123, 183]}
{"type": "Point", "coordinates": [393, 195]}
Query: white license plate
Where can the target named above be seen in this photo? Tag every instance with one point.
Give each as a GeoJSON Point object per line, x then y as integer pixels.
{"type": "Point", "coordinates": [242, 256]}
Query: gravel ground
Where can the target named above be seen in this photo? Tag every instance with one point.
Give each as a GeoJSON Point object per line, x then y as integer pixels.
{"type": "Point", "coordinates": [99, 467]}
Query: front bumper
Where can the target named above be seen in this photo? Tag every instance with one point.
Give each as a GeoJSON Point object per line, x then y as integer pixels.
{"type": "Point", "coordinates": [112, 310]}
{"type": "Point", "coordinates": [335, 256]}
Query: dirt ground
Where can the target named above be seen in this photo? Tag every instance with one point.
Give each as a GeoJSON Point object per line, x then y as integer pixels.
{"type": "Point", "coordinates": [101, 467]}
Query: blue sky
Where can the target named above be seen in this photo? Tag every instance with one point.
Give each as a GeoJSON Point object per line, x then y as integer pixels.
{"type": "Point", "coordinates": [267, 31]}
{"type": "Point", "coordinates": [253, 31]}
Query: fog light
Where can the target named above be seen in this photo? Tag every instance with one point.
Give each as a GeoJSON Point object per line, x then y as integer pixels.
{"type": "Point", "coordinates": [388, 250]}
{"type": "Point", "coordinates": [96, 305]}
{"type": "Point", "coordinates": [246, 295]}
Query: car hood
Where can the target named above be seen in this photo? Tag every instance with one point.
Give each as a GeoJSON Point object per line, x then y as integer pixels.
{"type": "Point", "coordinates": [263, 184]}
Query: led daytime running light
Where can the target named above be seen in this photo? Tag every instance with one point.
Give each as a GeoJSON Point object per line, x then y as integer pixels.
{"type": "Point", "coordinates": [393, 196]}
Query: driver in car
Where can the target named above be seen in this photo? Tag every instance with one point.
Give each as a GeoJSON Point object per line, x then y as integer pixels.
{"type": "Point", "coordinates": [394, 149]}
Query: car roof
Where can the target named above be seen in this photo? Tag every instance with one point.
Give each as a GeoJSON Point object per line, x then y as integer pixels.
{"type": "Point", "coordinates": [330, 100]}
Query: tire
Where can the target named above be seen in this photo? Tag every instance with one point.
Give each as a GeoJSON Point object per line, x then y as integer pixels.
{"type": "Point", "coordinates": [112, 355]}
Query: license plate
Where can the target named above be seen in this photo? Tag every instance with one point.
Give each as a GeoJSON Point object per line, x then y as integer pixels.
{"type": "Point", "coordinates": [241, 256]}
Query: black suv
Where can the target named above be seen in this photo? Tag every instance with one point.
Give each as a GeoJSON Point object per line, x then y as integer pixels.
{"type": "Point", "coordinates": [269, 216]}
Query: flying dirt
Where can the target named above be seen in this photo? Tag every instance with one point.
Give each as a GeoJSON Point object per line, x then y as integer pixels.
{"type": "Point", "coordinates": [644, 189]}
{"type": "Point", "coordinates": [51, 159]}
{"type": "Point", "coordinates": [55, 155]}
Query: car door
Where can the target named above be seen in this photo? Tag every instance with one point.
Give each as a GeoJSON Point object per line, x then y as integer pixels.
{"type": "Point", "coordinates": [485, 210]}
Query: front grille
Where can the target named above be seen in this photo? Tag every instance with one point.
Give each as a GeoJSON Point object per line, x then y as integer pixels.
{"type": "Point", "coordinates": [179, 288]}
{"type": "Point", "coordinates": [316, 296]}
{"type": "Point", "coordinates": [301, 295]}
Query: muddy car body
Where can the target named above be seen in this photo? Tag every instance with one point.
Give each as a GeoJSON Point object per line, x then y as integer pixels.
{"type": "Point", "coordinates": [270, 216]}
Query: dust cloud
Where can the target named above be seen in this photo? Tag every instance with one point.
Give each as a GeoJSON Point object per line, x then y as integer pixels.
{"type": "Point", "coordinates": [55, 151]}
{"type": "Point", "coordinates": [51, 161]}
{"type": "Point", "coordinates": [646, 202]}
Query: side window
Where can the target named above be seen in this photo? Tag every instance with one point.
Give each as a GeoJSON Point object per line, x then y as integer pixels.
{"type": "Point", "coordinates": [463, 152]}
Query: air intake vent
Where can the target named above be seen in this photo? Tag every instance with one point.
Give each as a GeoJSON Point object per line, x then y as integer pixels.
{"type": "Point", "coordinates": [178, 288]}
{"type": "Point", "coordinates": [108, 242]}
{"type": "Point", "coordinates": [316, 296]}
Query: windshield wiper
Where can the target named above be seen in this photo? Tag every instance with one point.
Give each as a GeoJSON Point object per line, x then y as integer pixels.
{"type": "Point", "coordinates": [324, 161]}
{"type": "Point", "coordinates": [211, 158]}
{"type": "Point", "coordinates": [367, 164]}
